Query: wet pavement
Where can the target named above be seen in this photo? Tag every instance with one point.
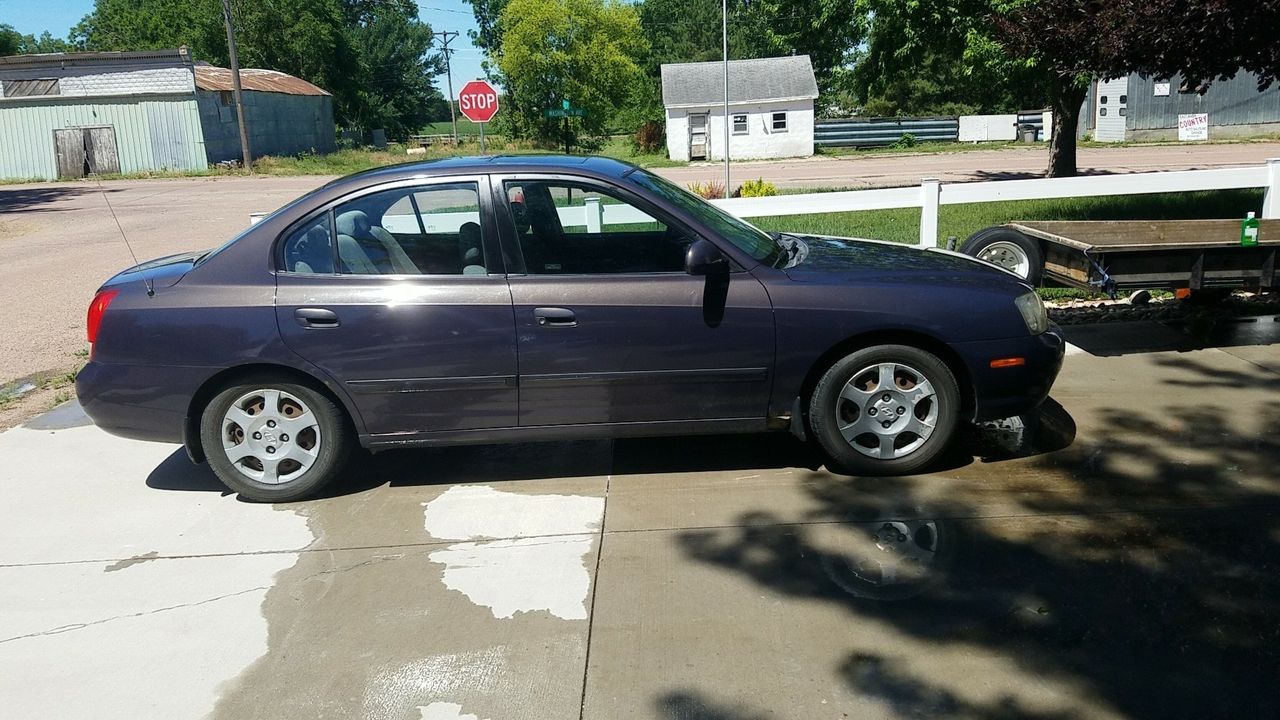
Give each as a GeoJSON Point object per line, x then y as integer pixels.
{"type": "Point", "coordinates": [1114, 555]}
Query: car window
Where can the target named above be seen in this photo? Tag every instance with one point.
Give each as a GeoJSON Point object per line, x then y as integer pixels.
{"type": "Point", "coordinates": [431, 230]}
{"type": "Point", "coordinates": [570, 228]}
{"type": "Point", "coordinates": [744, 235]}
{"type": "Point", "coordinates": [308, 249]}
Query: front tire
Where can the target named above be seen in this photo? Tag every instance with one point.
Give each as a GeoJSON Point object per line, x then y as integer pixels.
{"type": "Point", "coordinates": [885, 410]}
{"type": "Point", "coordinates": [271, 440]}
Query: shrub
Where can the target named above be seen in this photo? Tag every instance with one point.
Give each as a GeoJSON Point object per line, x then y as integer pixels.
{"type": "Point", "coordinates": [649, 137]}
{"type": "Point", "coordinates": [710, 190]}
{"type": "Point", "coordinates": [756, 188]}
{"type": "Point", "coordinates": [906, 141]}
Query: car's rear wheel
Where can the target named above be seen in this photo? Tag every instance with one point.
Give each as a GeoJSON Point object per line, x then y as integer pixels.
{"type": "Point", "coordinates": [885, 410]}
{"type": "Point", "coordinates": [271, 440]}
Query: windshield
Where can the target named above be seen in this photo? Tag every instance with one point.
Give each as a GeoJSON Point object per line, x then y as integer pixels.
{"type": "Point", "coordinates": [747, 237]}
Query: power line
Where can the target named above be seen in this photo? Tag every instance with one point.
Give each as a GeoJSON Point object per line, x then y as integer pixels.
{"type": "Point", "coordinates": [447, 36]}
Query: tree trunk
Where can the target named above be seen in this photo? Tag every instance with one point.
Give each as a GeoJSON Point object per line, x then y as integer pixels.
{"type": "Point", "coordinates": [1065, 97]}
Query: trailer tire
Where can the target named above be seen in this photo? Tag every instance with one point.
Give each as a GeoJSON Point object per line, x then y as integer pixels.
{"type": "Point", "coordinates": [1009, 249]}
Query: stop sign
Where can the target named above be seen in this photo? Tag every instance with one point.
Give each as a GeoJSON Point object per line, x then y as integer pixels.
{"type": "Point", "coordinates": [478, 101]}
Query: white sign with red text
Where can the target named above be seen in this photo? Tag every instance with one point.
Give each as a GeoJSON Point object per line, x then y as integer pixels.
{"type": "Point", "coordinates": [1193, 127]}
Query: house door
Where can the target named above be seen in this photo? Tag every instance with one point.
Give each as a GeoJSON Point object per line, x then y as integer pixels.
{"type": "Point", "coordinates": [698, 136]}
{"type": "Point", "coordinates": [1111, 109]}
{"type": "Point", "coordinates": [86, 151]}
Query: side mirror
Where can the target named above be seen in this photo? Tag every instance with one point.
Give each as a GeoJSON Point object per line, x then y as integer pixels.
{"type": "Point", "coordinates": [703, 258]}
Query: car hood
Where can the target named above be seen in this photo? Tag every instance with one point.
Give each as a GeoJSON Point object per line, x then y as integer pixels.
{"type": "Point", "coordinates": [161, 272]}
{"type": "Point", "coordinates": [823, 256]}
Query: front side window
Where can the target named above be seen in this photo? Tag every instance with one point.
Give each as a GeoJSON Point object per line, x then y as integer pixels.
{"type": "Point", "coordinates": [779, 122]}
{"type": "Point", "coordinates": [740, 125]}
{"type": "Point", "coordinates": [745, 236]}
{"type": "Point", "coordinates": [433, 230]}
{"type": "Point", "coordinates": [576, 229]}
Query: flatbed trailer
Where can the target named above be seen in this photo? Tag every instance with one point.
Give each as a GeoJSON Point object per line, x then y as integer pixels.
{"type": "Point", "coordinates": [1133, 254]}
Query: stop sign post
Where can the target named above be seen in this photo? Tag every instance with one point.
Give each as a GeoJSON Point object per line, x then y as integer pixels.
{"type": "Point", "coordinates": [478, 102]}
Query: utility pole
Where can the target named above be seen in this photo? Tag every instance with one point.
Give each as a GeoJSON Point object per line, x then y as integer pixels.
{"type": "Point", "coordinates": [724, 29]}
{"type": "Point", "coordinates": [447, 36]}
{"type": "Point", "coordinates": [235, 85]}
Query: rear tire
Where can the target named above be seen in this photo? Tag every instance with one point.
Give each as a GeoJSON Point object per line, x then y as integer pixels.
{"type": "Point", "coordinates": [273, 440]}
{"type": "Point", "coordinates": [1009, 249]}
{"type": "Point", "coordinates": [885, 410]}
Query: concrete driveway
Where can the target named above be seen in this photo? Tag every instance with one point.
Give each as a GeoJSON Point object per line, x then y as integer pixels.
{"type": "Point", "coordinates": [1114, 556]}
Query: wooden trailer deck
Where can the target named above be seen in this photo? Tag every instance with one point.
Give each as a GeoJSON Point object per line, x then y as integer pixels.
{"type": "Point", "coordinates": [1133, 254]}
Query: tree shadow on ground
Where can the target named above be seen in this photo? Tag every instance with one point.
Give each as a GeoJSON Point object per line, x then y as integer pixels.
{"type": "Point", "coordinates": [18, 198]}
{"type": "Point", "coordinates": [1138, 567]}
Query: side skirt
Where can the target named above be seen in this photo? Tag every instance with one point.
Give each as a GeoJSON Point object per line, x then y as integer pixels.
{"type": "Point", "coordinates": [543, 433]}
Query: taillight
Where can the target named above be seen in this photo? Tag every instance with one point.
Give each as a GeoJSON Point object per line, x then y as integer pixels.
{"type": "Point", "coordinates": [97, 309]}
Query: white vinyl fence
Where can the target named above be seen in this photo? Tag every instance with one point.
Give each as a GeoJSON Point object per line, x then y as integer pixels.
{"type": "Point", "coordinates": [928, 196]}
{"type": "Point", "coordinates": [931, 193]}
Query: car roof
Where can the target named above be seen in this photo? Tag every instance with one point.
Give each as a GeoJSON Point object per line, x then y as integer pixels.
{"type": "Point", "coordinates": [576, 164]}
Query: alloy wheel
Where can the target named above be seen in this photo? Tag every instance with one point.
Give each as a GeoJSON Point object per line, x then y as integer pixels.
{"type": "Point", "coordinates": [887, 411]}
{"type": "Point", "coordinates": [270, 436]}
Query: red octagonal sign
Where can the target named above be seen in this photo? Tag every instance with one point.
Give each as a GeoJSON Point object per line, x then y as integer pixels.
{"type": "Point", "coordinates": [478, 101]}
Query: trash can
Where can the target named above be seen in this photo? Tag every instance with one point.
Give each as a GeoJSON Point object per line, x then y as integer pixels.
{"type": "Point", "coordinates": [1027, 133]}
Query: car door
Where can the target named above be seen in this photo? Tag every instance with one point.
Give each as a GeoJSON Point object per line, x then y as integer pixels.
{"type": "Point", "coordinates": [610, 327]}
{"type": "Point", "coordinates": [399, 294]}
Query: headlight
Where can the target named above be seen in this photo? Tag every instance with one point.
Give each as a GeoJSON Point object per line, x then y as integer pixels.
{"type": "Point", "coordinates": [1033, 312]}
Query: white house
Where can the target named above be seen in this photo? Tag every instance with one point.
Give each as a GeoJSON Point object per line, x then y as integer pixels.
{"type": "Point", "coordinates": [770, 108]}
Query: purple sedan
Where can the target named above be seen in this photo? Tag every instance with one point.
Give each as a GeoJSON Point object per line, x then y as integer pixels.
{"type": "Point", "coordinates": [484, 300]}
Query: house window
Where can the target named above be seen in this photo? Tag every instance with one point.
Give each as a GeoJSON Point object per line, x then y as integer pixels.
{"type": "Point", "coordinates": [780, 122]}
{"type": "Point", "coordinates": [740, 125]}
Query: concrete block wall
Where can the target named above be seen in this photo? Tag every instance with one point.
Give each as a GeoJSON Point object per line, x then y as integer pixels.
{"type": "Point", "coordinates": [161, 81]}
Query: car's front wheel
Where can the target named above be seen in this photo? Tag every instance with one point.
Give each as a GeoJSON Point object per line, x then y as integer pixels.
{"type": "Point", "coordinates": [885, 410]}
{"type": "Point", "coordinates": [274, 441]}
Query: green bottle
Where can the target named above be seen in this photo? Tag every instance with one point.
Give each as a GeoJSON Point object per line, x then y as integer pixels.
{"type": "Point", "coordinates": [1249, 231]}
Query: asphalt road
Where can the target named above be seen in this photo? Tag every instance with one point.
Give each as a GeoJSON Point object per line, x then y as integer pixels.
{"type": "Point", "coordinates": [59, 241]}
{"type": "Point", "coordinates": [1114, 556]}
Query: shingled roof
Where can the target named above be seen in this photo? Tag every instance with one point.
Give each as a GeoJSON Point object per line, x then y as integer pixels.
{"type": "Point", "coordinates": [750, 81]}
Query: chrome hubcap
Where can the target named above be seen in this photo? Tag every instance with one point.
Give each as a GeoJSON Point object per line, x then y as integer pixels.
{"type": "Point", "coordinates": [270, 436]}
{"type": "Point", "coordinates": [887, 411]}
{"type": "Point", "coordinates": [1008, 256]}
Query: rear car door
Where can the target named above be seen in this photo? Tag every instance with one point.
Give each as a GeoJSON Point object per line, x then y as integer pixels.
{"type": "Point", "coordinates": [398, 292]}
{"type": "Point", "coordinates": [610, 327]}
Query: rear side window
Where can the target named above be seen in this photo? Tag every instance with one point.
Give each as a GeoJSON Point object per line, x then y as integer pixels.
{"type": "Point", "coordinates": [431, 230]}
{"type": "Point", "coordinates": [308, 249]}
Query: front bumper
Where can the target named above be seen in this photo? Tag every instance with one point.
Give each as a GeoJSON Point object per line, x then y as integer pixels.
{"type": "Point", "coordinates": [1005, 392]}
{"type": "Point", "coordinates": [140, 402]}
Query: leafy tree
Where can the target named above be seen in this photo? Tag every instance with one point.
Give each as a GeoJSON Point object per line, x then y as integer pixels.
{"type": "Point", "coordinates": [488, 33]}
{"type": "Point", "coordinates": [583, 51]}
{"type": "Point", "coordinates": [1061, 45]}
{"type": "Point", "coordinates": [14, 43]}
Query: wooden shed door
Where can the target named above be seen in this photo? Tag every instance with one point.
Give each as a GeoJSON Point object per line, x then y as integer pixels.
{"type": "Point", "coordinates": [69, 144]}
{"type": "Point", "coordinates": [84, 151]}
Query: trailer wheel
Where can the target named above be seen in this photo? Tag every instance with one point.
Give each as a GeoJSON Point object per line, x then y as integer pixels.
{"type": "Point", "coordinates": [1009, 249]}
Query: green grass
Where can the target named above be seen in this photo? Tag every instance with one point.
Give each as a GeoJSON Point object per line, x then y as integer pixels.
{"type": "Point", "coordinates": [465, 127]}
{"type": "Point", "coordinates": [903, 225]}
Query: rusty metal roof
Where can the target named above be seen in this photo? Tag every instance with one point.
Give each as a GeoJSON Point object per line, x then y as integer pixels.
{"type": "Point", "coordinates": [213, 78]}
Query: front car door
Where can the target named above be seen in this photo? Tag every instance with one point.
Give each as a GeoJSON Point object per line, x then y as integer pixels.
{"type": "Point", "coordinates": [610, 328]}
{"type": "Point", "coordinates": [398, 293]}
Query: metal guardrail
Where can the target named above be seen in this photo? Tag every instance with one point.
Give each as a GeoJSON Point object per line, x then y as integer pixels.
{"type": "Point", "coordinates": [875, 132]}
{"type": "Point", "coordinates": [931, 193]}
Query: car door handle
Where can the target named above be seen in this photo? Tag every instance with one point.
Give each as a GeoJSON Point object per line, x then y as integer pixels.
{"type": "Point", "coordinates": [554, 317]}
{"type": "Point", "coordinates": [316, 318]}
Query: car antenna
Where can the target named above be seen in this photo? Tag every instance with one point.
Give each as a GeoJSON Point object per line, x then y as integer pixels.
{"type": "Point", "coordinates": [149, 285]}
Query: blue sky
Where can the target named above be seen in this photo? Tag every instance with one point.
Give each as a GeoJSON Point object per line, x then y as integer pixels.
{"type": "Point", "coordinates": [58, 16]}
